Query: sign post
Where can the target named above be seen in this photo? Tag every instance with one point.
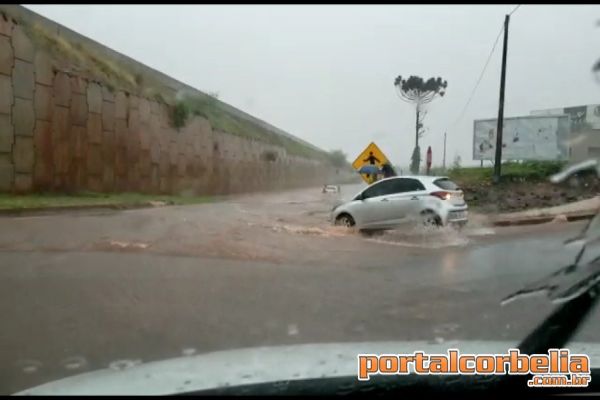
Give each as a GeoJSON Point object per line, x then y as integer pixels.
{"type": "Point", "coordinates": [429, 156]}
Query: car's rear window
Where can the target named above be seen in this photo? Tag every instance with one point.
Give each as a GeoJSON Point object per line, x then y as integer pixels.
{"type": "Point", "coordinates": [446, 184]}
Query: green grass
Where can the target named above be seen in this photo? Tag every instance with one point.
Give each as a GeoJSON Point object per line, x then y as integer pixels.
{"type": "Point", "coordinates": [112, 74]}
{"type": "Point", "coordinates": [207, 107]}
{"type": "Point", "coordinates": [45, 200]}
{"type": "Point", "coordinates": [529, 171]}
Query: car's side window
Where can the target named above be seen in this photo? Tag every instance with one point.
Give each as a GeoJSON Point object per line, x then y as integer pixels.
{"type": "Point", "coordinates": [414, 185]}
{"type": "Point", "coordinates": [371, 192]}
{"type": "Point", "coordinates": [407, 185]}
{"type": "Point", "coordinates": [380, 189]}
{"type": "Point", "coordinates": [400, 185]}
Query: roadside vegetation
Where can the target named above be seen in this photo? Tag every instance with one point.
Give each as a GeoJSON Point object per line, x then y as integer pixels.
{"type": "Point", "coordinates": [56, 200]}
{"type": "Point", "coordinates": [339, 159]}
{"type": "Point", "coordinates": [528, 171]}
{"type": "Point", "coordinates": [523, 186]}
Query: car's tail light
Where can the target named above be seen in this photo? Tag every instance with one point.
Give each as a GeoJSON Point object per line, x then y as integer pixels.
{"type": "Point", "coordinates": [441, 195]}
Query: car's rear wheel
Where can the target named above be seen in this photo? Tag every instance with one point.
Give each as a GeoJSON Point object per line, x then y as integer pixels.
{"type": "Point", "coordinates": [430, 219]}
{"type": "Point", "coordinates": [345, 220]}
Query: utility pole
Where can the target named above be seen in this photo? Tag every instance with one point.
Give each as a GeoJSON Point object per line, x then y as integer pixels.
{"type": "Point", "coordinates": [498, 158]}
{"type": "Point", "coordinates": [444, 159]}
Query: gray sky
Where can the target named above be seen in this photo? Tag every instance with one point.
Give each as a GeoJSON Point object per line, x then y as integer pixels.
{"type": "Point", "coordinates": [325, 73]}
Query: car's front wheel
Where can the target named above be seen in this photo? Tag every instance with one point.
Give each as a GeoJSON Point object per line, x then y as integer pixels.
{"type": "Point", "coordinates": [345, 220]}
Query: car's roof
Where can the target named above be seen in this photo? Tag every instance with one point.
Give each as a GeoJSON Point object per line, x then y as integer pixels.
{"type": "Point", "coordinates": [427, 179]}
{"type": "Point", "coordinates": [422, 178]}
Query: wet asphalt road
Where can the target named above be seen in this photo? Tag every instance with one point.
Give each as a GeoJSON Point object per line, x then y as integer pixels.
{"type": "Point", "coordinates": [81, 291]}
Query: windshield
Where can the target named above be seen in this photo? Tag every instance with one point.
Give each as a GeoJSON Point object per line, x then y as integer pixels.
{"type": "Point", "coordinates": [176, 180]}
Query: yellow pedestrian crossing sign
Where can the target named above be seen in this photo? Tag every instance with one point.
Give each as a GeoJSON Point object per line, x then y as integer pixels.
{"type": "Point", "coordinates": [371, 156]}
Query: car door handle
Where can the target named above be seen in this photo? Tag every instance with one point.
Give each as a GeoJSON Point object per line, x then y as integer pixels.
{"type": "Point", "coordinates": [384, 200]}
{"type": "Point", "coordinates": [414, 198]}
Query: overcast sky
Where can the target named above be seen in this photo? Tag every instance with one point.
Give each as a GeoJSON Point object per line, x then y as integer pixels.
{"type": "Point", "coordinates": [325, 73]}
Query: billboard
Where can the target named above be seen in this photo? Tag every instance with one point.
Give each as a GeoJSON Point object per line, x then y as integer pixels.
{"type": "Point", "coordinates": [581, 117]}
{"type": "Point", "coordinates": [540, 137]}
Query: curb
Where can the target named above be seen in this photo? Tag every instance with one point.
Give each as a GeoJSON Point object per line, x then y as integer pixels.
{"type": "Point", "coordinates": [543, 219]}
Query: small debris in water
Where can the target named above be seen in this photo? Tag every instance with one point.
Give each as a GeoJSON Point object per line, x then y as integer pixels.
{"type": "Point", "coordinates": [127, 245]}
{"type": "Point", "coordinates": [331, 189]}
{"type": "Point", "coordinates": [30, 369]}
{"type": "Point", "coordinates": [190, 351]}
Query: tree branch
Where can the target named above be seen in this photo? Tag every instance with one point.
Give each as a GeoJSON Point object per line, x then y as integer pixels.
{"type": "Point", "coordinates": [427, 97]}
{"type": "Point", "coordinates": [407, 97]}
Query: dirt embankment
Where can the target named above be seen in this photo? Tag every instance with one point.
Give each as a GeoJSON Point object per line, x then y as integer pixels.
{"type": "Point", "coordinates": [523, 195]}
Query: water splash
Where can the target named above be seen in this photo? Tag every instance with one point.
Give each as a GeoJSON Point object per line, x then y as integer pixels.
{"type": "Point", "coordinates": [422, 237]}
{"type": "Point", "coordinates": [312, 230]}
{"type": "Point", "coordinates": [29, 366]}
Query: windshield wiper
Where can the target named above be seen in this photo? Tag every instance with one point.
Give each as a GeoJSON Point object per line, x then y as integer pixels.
{"type": "Point", "coordinates": [578, 301]}
{"type": "Point", "coordinates": [556, 330]}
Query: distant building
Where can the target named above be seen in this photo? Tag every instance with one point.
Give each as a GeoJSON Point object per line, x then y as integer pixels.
{"type": "Point", "coordinates": [584, 139]}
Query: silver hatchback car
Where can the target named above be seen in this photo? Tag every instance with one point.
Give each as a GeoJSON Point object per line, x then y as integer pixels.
{"type": "Point", "coordinates": [392, 202]}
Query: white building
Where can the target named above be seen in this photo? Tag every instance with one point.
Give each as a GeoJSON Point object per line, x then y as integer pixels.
{"type": "Point", "coordinates": [584, 139]}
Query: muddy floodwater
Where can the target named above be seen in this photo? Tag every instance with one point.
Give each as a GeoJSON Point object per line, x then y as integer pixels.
{"type": "Point", "coordinates": [274, 227]}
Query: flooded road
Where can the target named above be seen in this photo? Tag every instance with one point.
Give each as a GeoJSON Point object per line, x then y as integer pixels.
{"type": "Point", "coordinates": [79, 292]}
{"type": "Point", "coordinates": [272, 227]}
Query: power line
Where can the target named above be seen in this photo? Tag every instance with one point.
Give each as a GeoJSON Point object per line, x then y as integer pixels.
{"type": "Point", "coordinates": [480, 77]}
{"type": "Point", "coordinates": [483, 71]}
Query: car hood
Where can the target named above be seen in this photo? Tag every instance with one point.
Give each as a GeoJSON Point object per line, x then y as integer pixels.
{"type": "Point", "coordinates": [338, 202]}
{"type": "Point", "coordinates": [257, 365]}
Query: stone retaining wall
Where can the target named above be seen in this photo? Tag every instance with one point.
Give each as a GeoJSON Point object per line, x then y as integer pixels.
{"type": "Point", "coordinates": [63, 131]}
